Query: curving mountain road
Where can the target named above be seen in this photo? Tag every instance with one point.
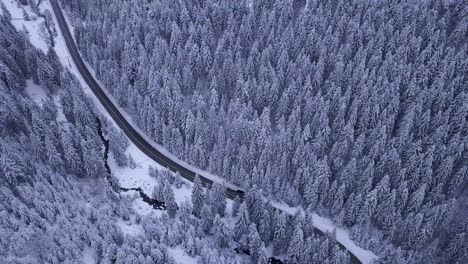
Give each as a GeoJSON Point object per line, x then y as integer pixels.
{"type": "Point", "coordinates": [128, 129]}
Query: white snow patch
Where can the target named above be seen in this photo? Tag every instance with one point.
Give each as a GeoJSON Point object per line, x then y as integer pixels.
{"type": "Point", "coordinates": [35, 26]}
{"type": "Point", "coordinates": [228, 220]}
{"type": "Point", "coordinates": [139, 206]}
{"type": "Point", "coordinates": [144, 209]}
{"type": "Point", "coordinates": [183, 194]}
{"type": "Point", "coordinates": [284, 207]}
{"type": "Point", "coordinates": [138, 176]}
{"type": "Point", "coordinates": [129, 228]}
{"type": "Point", "coordinates": [39, 95]}
{"type": "Point", "coordinates": [180, 256]}
{"type": "Point", "coordinates": [35, 92]}
{"type": "Point", "coordinates": [229, 205]}
{"type": "Point", "coordinates": [61, 119]}
{"type": "Point", "coordinates": [89, 256]}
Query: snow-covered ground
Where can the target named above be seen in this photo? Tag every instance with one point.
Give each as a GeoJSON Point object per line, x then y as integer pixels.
{"type": "Point", "coordinates": [138, 205]}
{"type": "Point", "coordinates": [139, 176]}
{"type": "Point", "coordinates": [35, 26]}
{"type": "Point", "coordinates": [180, 256]}
{"type": "Point", "coordinates": [35, 92]}
{"type": "Point", "coordinates": [130, 228]}
{"type": "Point", "coordinates": [39, 95]}
{"type": "Point", "coordinates": [61, 119]}
{"type": "Point", "coordinates": [89, 256]}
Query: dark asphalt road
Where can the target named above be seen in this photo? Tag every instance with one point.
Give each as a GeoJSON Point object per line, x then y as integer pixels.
{"type": "Point", "coordinates": [131, 133]}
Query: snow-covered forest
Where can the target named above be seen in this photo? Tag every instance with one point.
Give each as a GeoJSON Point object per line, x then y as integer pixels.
{"type": "Point", "coordinates": [57, 205]}
{"type": "Point", "coordinates": [353, 109]}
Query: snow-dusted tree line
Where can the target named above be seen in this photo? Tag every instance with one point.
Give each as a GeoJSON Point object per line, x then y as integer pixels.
{"type": "Point", "coordinates": [355, 109]}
